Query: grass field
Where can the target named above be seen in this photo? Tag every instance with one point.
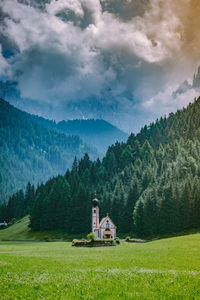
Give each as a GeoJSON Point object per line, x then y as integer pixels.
{"type": "Point", "coordinates": [164, 269]}
{"type": "Point", "coordinates": [20, 231]}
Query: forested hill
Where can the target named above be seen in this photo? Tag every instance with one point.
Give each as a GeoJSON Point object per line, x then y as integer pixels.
{"type": "Point", "coordinates": [149, 185]}
{"type": "Point", "coordinates": [96, 132]}
{"type": "Point", "coordinates": [31, 152]}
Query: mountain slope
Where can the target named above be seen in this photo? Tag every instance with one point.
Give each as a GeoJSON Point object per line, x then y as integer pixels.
{"type": "Point", "coordinates": [20, 231]}
{"type": "Point", "coordinates": [98, 132]}
{"type": "Point", "coordinates": [186, 86]}
{"type": "Point", "coordinates": [17, 231]}
{"type": "Point", "coordinates": [31, 152]}
{"type": "Point", "coordinates": [149, 185]}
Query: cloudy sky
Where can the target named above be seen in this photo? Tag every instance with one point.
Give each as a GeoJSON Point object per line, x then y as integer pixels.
{"type": "Point", "coordinates": [121, 60]}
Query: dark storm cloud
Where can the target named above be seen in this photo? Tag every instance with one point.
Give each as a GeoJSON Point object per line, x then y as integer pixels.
{"type": "Point", "coordinates": [99, 58]}
{"type": "Point", "coordinates": [124, 9]}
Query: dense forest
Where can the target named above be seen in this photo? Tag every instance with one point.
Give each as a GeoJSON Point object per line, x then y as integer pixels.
{"type": "Point", "coordinates": [149, 185]}
{"type": "Point", "coordinates": [32, 152]}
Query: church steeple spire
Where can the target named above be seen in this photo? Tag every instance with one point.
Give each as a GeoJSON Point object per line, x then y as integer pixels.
{"type": "Point", "coordinates": [95, 214]}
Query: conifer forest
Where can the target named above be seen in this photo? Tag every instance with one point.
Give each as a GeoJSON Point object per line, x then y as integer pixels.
{"type": "Point", "coordinates": [149, 185]}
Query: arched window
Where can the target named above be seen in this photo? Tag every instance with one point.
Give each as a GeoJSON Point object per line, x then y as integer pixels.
{"type": "Point", "coordinates": [107, 225]}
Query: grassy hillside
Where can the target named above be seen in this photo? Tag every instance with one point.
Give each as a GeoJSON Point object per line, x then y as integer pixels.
{"type": "Point", "coordinates": [20, 231]}
{"type": "Point", "coordinates": [164, 269]}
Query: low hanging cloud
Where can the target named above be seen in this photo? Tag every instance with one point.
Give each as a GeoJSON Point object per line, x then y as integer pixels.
{"type": "Point", "coordinates": [125, 57]}
{"type": "Point", "coordinates": [3, 64]}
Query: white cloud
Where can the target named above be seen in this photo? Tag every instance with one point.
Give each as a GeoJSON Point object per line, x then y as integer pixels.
{"type": "Point", "coordinates": [55, 7]}
{"type": "Point", "coordinates": [3, 64]}
{"type": "Point", "coordinates": [163, 103]}
{"type": "Point", "coordinates": [72, 50]}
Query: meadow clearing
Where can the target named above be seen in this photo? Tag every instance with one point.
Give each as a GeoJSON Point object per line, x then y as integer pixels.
{"type": "Point", "coordinates": [163, 269]}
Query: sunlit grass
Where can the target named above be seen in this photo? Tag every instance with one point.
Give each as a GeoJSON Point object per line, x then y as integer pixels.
{"type": "Point", "coordinates": [20, 231]}
{"type": "Point", "coordinates": [164, 269]}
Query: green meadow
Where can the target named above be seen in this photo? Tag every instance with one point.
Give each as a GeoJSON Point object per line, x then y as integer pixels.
{"type": "Point", "coordinates": [162, 269]}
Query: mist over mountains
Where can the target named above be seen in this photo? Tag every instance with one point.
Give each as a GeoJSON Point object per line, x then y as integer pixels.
{"type": "Point", "coordinates": [101, 68]}
{"type": "Point", "coordinates": [149, 185]}
{"type": "Point", "coordinates": [186, 86]}
{"type": "Point", "coordinates": [34, 149]}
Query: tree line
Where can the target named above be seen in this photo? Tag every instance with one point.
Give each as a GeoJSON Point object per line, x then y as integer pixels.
{"type": "Point", "coordinates": [149, 185]}
{"type": "Point", "coordinates": [32, 152]}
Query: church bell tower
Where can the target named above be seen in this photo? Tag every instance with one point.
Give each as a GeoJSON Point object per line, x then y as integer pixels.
{"type": "Point", "coordinates": [95, 215]}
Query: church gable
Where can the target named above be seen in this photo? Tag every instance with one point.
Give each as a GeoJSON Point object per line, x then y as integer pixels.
{"type": "Point", "coordinates": [107, 223]}
{"type": "Point", "coordinates": [106, 228]}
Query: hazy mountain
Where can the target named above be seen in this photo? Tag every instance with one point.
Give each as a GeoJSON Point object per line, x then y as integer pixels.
{"type": "Point", "coordinates": [186, 86]}
{"type": "Point", "coordinates": [196, 79]}
{"type": "Point", "coordinates": [98, 133]}
{"type": "Point", "coordinates": [31, 152]}
{"type": "Point", "coordinates": [149, 185]}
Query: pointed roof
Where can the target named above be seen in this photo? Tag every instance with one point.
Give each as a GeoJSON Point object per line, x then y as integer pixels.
{"type": "Point", "coordinates": [102, 221]}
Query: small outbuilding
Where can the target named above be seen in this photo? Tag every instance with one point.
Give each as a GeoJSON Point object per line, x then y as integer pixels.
{"type": "Point", "coordinates": [4, 224]}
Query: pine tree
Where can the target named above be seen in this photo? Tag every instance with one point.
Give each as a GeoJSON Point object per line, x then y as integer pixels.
{"type": "Point", "coordinates": [127, 215]}
{"type": "Point", "coordinates": [138, 217]}
{"type": "Point", "coordinates": [29, 198]}
{"type": "Point", "coordinates": [150, 213]}
{"type": "Point", "coordinates": [38, 210]}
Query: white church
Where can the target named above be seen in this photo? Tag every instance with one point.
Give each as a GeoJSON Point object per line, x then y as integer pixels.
{"type": "Point", "coordinates": [106, 228]}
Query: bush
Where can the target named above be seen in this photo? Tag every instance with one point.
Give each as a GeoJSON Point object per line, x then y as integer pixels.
{"type": "Point", "coordinates": [3, 227]}
{"type": "Point", "coordinates": [91, 236]}
{"type": "Point", "coordinates": [74, 242]}
{"type": "Point", "coordinates": [127, 238]}
{"type": "Point", "coordinates": [46, 239]}
{"type": "Point", "coordinates": [117, 240]}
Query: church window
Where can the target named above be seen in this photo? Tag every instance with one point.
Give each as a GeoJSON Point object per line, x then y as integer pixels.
{"type": "Point", "coordinates": [107, 225]}
{"type": "Point", "coordinates": [94, 211]}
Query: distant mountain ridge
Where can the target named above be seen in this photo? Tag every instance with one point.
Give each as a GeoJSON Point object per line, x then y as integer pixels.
{"type": "Point", "coordinates": [150, 185]}
{"type": "Point", "coordinates": [32, 152]}
{"type": "Point", "coordinates": [97, 132]}
{"type": "Point", "coordinates": [64, 110]}
{"type": "Point", "coordinates": [34, 148]}
{"type": "Point", "coordinates": [186, 86]}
